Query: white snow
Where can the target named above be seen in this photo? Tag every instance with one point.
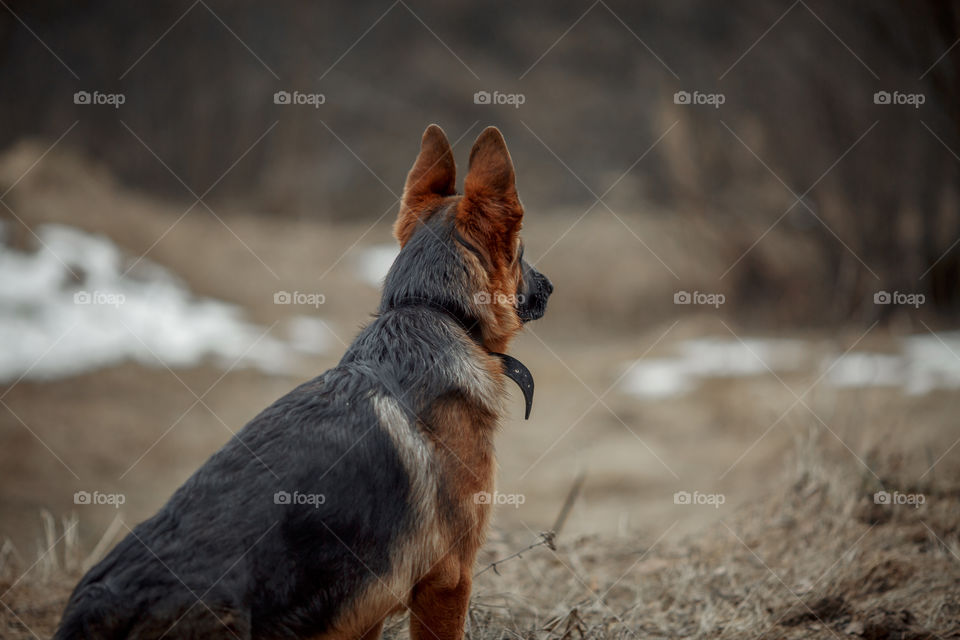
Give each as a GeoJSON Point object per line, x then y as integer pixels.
{"type": "Point", "coordinates": [68, 308]}
{"type": "Point", "coordinates": [859, 369]}
{"type": "Point", "coordinates": [922, 363]}
{"type": "Point", "coordinates": [374, 262]}
{"type": "Point", "coordinates": [309, 334]}
{"type": "Point", "coordinates": [711, 358]}
{"type": "Point", "coordinates": [926, 362]}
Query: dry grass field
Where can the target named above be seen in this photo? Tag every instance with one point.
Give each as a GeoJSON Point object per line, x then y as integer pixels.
{"type": "Point", "coordinates": [811, 556]}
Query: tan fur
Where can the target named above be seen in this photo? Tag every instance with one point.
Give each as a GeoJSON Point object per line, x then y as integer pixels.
{"type": "Point", "coordinates": [450, 458]}
{"type": "Point", "coordinates": [420, 549]}
{"type": "Point", "coordinates": [432, 178]}
{"type": "Point", "coordinates": [463, 436]}
{"type": "Point", "coordinates": [488, 214]}
{"type": "Point", "coordinates": [435, 560]}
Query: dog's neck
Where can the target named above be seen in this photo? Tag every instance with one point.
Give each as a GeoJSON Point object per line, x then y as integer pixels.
{"type": "Point", "coordinates": [469, 324]}
{"type": "Point", "coordinates": [512, 368]}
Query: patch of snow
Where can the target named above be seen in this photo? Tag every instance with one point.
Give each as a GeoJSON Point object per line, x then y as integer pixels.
{"type": "Point", "coordinates": [711, 358]}
{"type": "Point", "coordinates": [923, 363]}
{"type": "Point", "coordinates": [374, 262]}
{"type": "Point", "coordinates": [69, 308]}
{"type": "Point", "coordinates": [659, 377]}
{"type": "Point", "coordinates": [926, 362]}
{"type": "Point", "coordinates": [309, 334]}
{"type": "Point", "coordinates": [860, 369]}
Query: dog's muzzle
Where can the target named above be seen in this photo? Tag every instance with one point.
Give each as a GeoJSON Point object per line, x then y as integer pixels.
{"type": "Point", "coordinates": [537, 289]}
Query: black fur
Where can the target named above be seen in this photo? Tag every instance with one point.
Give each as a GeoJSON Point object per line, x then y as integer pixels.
{"type": "Point", "coordinates": [533, 293]}
{"type": "Point", "coordinates": [281, 569]}
{"type": "Point", "coordinates": [222, 558]}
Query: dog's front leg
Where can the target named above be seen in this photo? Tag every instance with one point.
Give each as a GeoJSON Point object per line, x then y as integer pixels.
{"type": "Point", "coordinates": [440, 601]}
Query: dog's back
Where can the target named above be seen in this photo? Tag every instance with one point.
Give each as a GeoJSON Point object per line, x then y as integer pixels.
{"type": "Point", "coordinates": [300, 468]}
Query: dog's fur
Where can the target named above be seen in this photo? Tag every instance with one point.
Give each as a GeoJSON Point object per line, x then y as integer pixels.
{"type": "Point", "coordinates": [397, 439]}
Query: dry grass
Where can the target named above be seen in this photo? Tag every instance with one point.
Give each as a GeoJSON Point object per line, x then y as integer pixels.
{"type": "Point", "coordinates": [815, 559]}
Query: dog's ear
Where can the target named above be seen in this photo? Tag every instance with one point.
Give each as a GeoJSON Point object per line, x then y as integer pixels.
{"type": "Point", "coordinates": [490, 209]}
{"type": "Point", "coordinates": [433, 177]}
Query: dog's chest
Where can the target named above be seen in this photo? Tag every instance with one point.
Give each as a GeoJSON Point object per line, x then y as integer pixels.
{"type": "Point", "coordinates": [460, 433]}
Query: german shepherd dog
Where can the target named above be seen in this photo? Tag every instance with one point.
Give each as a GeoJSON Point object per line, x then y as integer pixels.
{"type": "Point", "coordinates": [356, 495]}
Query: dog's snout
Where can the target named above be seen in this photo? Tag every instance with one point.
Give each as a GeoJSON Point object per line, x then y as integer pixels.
{"type": "Point", "coordinates": [546, 284]}
{"type": "Point", "coordinates": [536, 288]}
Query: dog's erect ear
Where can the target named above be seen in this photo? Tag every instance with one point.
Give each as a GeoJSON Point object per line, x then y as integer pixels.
{"type": "Point", "coordinates": [433, 176]}
{"type": "Point", "coordinates": [490, 208]}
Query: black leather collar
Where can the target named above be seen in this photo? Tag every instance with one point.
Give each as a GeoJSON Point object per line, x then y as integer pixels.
{"type": "Point", "coordinates": [518, 372]}
{"type": "Point", "coordinates": [512, 368]}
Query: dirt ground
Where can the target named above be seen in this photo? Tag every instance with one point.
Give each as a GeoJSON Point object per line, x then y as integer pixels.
{"type": "Point", "coordinates": [797, 549]}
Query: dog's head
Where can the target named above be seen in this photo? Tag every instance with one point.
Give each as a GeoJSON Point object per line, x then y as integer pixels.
{"type": "Point", "coordinates": [464, 252]}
